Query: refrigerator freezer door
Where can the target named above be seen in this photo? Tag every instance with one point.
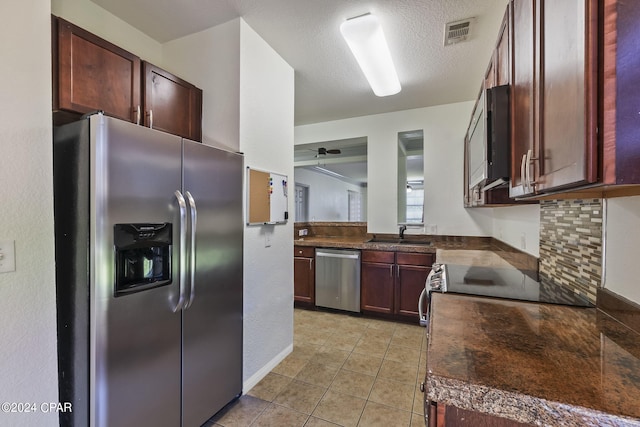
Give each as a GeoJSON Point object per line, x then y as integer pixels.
{"type": "Point", "coordinates": [136, 337]}
{"type": "Point", "coordinates": [212, 324]}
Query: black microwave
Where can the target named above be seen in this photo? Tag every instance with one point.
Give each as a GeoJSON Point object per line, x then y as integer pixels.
{"type": "Point", "coordinates": [488, 139]}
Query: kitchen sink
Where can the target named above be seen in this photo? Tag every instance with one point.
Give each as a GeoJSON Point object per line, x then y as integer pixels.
{"type": "Point", "coordinates": [398, 241]}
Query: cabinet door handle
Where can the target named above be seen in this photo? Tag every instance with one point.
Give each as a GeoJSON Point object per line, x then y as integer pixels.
{"type": "Point", "coordinates": [391, 271]}
{"type": "Point", "coordinates": [310, 264]}
{"type": "Point", "coordinates": [523, 174]}
{"type": "Point", "coordinates": [138, 115]}
{"type": "Point", "coordinates": [150, 119]}
{"type": "Point", "coordinates": [529, 163]}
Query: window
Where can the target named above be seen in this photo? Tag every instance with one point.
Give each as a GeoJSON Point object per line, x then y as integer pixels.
{"type": "Point", "coordinates": [415, 203]}
{"type": "Point", "coordinates": [355, 206]}
{"type": "Point", "coordinates": [411, 177]}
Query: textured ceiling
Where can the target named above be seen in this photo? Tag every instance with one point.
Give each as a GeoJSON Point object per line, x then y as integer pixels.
{"type": "Point", "coordinates": [328, 83]}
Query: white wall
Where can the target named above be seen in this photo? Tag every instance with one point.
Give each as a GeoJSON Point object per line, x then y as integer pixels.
{"type": "Point", "coordinates": [210, 59]}
{"type": "Point", "coordinates": [28, 367]}
{"type": "Point", "coordinates": [266, 138]}
{"type": "Point", "coordinates": [98, 21]}
{"type": "Point", "coordinates": [518, 226]}
{"type": "Point", "coordinates": [444, 128]}
{"type": "Point", "coordinates": [328, 197]}
{"type": "Point", "coordinates": [622, 234]}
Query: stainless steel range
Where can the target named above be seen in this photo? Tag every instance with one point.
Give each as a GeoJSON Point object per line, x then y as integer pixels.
{"type": "Point", "coordinates": [494, 282]}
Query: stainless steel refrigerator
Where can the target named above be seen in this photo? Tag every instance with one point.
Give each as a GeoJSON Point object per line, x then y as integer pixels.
{"type": "Point", "coordinates": [148, 275]}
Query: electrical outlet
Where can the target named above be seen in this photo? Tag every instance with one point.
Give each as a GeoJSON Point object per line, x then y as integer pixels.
{"type": "Point", "coordinates": [431, 229]}
{"type": "Point", "coordinates": [523, 241]}
{"type": "Point", "coordinates": [303, 232]}
{"type": "Point", "coordinates": [7, 256]}
{"type": "Point", "coordinates": [267, 240]}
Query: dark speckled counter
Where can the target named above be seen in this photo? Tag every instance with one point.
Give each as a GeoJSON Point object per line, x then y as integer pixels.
{"type": "Point", "coordinates": [541, 364]}
{"type": "Point", "coordinates": [362, 243]}
{"type": "Point", "coordinates": [412, 243]}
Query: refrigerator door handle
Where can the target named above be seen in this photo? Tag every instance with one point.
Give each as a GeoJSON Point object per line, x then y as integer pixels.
{"type": "Point", "coordinates": [183, 252]}
{"type": "Point", "coordinates": [192, 252]}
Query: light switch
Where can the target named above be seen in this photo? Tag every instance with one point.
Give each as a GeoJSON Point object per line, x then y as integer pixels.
{"type": "Point", "coordinates": [7, 256]}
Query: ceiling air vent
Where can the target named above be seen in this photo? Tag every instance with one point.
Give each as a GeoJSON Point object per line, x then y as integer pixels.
{"type": "Point", "coordinates": [458, 31]}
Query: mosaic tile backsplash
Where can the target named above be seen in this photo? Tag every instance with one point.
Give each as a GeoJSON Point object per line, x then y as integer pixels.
{"type": "Point", "coordinates": [571, 244]}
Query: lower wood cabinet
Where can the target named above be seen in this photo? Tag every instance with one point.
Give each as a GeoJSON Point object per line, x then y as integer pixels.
{"type": "Point", "coordinates": [411, 273]}
{"type": "Point", "coordinates": [391, 282]}
{"type": "Point", "coordinates": [377, 281]}
{"type": "Point", "coordinates": [304, 290]}
{"type": "Point", "coordinates": [450, 416]}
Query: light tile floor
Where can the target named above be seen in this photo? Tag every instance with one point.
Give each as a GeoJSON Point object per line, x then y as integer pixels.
{"type": "Point", "coordinates": [344, 371]}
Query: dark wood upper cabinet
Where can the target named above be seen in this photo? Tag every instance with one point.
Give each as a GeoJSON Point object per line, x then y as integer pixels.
{"type": "Point", "coordinates": [621, 96]}
{"type": "Point", "coordinates": [490, 74]}
{"type": "Point", "coordinates": [568, 89]}
{"type": "Point", "coordinates": [554, 95]}
{"type": "Point", "coordinates": [499, 72]}
{"type": "Point", "coordinates": [171, 104]}
{"type": "Point", "coordinates": [575, 98]}
{"type": "Point", "coordinates": [523, 86]}
{"type": "Point", "coordinates": [502, 53]}
{"type": "Point", "coordinates": [93, 74]}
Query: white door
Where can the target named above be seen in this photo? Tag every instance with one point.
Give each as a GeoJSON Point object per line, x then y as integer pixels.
{"type": "Point", "coordinates": [302, 203]}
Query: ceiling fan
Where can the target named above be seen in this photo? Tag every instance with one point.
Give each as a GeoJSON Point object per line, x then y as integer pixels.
{"type": "Point", "coordinates": [323, 151]}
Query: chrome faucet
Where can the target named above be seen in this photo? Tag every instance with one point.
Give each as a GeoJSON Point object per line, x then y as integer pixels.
{"type": "Point", "coordinates": [402, 230]}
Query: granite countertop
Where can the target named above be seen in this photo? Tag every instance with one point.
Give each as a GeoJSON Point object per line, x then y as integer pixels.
{"type": "Point", "coordinates": [363, 242]}
{"type": "Point", "coordinates": [535, 363]}
{"type": "Point", "coordinates": [465, 251]}
{"type": "Point", "coordinates": [358, 242]}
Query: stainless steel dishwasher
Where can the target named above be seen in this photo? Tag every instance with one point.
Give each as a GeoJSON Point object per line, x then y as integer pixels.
{"type": "Point", "coordinates": [338, 279]}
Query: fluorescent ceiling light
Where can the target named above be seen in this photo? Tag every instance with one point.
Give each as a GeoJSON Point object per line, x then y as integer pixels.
{"type": "Point", "coordinates": [328, 172]}
{"type": "Point", "coordinates": [366, 40]}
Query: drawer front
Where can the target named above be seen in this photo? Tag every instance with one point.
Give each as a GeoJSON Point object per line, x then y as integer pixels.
{"type": "Point", "coordinates": [304, 251]}
{"type": "Point", "coordinates": [410, 258]}
{"type": "Point", "coordinates": [387, 257]}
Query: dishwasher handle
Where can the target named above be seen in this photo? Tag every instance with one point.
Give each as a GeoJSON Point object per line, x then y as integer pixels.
{"type": "Point", "coordinates": [332, 255]}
